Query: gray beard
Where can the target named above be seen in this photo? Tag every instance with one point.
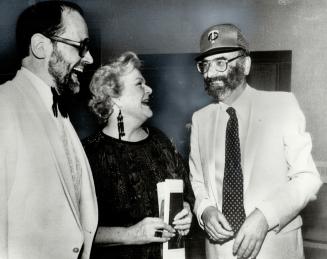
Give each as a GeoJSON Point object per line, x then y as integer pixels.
{"type": "Point", "coordinates": [65, 82]}
{"type": "Point", "coordinates": [231, 81]}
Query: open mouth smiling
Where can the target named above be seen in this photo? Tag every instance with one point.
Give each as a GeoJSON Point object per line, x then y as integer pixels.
{"type": "Point", "coordinates": [146, 102]}
{"type": "Point", "coordinates": [78, 69]}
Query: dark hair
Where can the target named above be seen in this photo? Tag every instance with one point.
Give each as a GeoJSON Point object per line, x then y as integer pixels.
{"type": "Point", "coordinates": [106, 83]}
{"type": "Point", "coordinates": [44, 18]}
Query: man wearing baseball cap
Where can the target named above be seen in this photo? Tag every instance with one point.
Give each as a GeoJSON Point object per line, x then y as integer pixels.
{"type": "Point", "coordinates": [251, 166]}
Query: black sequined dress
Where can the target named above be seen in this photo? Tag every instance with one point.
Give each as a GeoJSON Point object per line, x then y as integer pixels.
{"type": "Point", "coordinates": [125, 176]}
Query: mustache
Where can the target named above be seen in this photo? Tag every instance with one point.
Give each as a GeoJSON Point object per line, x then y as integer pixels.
{"type": "Point", "coordinates": [212, 80]}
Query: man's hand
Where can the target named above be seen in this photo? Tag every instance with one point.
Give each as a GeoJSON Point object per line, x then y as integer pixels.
{"type": "Point", "coordinates": [251, 235]}
{"type": "Point", "coordinates": [216, 225]}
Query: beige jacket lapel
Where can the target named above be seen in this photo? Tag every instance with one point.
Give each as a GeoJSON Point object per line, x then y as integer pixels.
{"type": "Point", "coordinates": [252, 138]}
{"type": "Point", "coordinates": [59, 158]}
{"type": "Point", "coordinates": [211, 139]}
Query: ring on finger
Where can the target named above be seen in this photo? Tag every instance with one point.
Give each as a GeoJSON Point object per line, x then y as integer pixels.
{"type": "Point", "coordinates": [158, 233]}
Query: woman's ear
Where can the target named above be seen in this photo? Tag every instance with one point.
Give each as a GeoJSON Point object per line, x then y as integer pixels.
{"type": "Point", "coordinates": [40, 46]}
{"type": "Point", "coordinates": [116, 102]}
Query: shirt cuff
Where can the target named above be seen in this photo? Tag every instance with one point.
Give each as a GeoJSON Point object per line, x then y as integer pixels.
{"type": "Point", "coordinates": [270, 215]}
{"type": "Point", "coordinates": [205, 203]}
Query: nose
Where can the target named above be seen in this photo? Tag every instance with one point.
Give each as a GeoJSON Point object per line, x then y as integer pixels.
{"type": "Point", "coordinates": [88, 59]}
{"type": "Point", "coordinates": [148, 89]}
{"type": "Point", "coordinates": [212, 72]}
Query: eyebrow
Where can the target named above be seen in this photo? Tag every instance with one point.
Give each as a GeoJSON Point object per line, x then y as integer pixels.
{"type": "Point", "coordinates": [140, 79]}
{"type": "Point", "coordinates": [224, 58]}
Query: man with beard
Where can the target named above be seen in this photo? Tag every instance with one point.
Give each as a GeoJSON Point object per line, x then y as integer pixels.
{"type": "Point", "coordinates": [48, 206]}
{"type": "Point", "coordinates": [250, 161]}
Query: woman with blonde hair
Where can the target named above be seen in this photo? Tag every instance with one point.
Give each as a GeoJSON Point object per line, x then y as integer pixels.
{"type": "Point", "coordinates": [127, 161]}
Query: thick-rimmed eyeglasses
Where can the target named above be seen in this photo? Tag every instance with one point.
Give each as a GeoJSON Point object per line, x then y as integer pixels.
{"type": "Point", "coordinates": [220, 64]}
{"type": "Point", "coordinates": [81, 46]}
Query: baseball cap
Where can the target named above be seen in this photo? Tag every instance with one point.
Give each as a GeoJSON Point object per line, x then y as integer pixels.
{"type": "Point", "coordinates": [221, 38]}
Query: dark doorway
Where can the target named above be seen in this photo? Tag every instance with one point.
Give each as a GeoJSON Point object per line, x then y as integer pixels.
{"type": "Point", "coordinates": [178, 87]}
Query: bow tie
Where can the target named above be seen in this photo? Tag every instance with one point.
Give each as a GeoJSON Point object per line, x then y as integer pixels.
{"type": "Point", "coordinates": [58, 103]}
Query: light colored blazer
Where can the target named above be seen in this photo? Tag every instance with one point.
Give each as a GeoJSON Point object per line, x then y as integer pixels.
{"type": "Point", "coordinates": [280, 177]}
{"type": "Point", "coordinates": [39, 213]}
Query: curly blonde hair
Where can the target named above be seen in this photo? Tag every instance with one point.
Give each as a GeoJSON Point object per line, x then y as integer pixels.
{"type": "Point", "coordinates": [106, 83]}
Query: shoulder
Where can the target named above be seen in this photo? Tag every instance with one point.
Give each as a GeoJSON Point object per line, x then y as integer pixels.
{"type": "Point", "coordinates": [159, 138]}
{"type": "Point", "coordinates": [166, 145]}
{"type": "Point", "coordinates": [209, 108]}
{"type": "Point", "coordinates": [206, 111]}
{"type": "Point", "coordinates": [11, 108]}
{"type": "Point", "coordinates": [280, 108]}
{"type": "Point", "coordinates": [97, 150]}
{"type": "Point", "coordinates": [7, 90]}
{"type": "Point", "coordinates": [92, 141]}
{"type": "Point", "coordinates": [158, 134]}
{"type": "Point", "coordinates": [10, 100]}
{"type": "Point", "coordinates": [275, 100]}
{"type": "Point", "coordinates": [273, 95]}
{"type": "Point", "coordinates": [10, 94]}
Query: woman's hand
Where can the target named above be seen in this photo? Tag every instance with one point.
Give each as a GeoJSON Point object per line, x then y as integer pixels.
{"type": "Point", "coordinates": [182, 221]}
{"type": "Point", "coordinates": [144, 232]}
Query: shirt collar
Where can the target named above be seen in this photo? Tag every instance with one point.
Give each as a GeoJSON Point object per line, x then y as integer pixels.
{"type": "Point", "coordinates": [41, 87]}
{"type": "Point", "coordinates": [241, 104]}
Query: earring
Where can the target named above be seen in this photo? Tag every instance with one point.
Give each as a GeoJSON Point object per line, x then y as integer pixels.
{"type": "Point", "coordinates": [120, 125]}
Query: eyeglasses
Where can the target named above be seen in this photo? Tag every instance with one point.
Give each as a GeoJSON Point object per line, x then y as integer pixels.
{"type": "Point", "coordinates": [220, 64]}
{"type": "Point", "coordinates": [81, 46]}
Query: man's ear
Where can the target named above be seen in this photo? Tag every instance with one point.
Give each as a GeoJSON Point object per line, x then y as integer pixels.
{"type": "Point", "coordinates": [39, 46]}
{"type": "Point", "coordinates": [247, 65]}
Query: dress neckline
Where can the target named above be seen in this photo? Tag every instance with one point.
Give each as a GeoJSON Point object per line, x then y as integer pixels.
{"type": "Point", "coordinates": [116, 140]}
